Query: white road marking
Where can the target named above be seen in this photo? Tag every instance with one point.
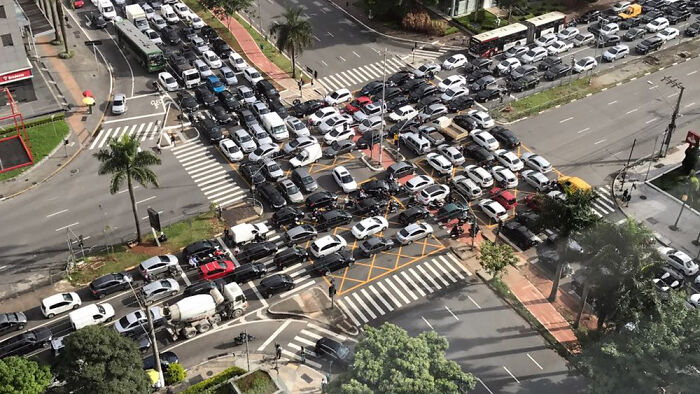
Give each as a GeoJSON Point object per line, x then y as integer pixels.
{"type": "Point", "coordinates": [342, 59]}
{"type": "Point", "coordinates": [511, 375]}
{"type": "Point", "coordinates": [362, 316]}
{"type": "Point", "coordinates": [473, 302]}
{"type": "Point", "coordinates": [296, 289]}
{"type": "Point", "coordinates": [363, 305]}
{"type": "Point", "coordinates": [400, 294]}
{"type": "Point", "coordinates": [65, 227]}
{"type": "Point", "coordinates": [612, 102]}
{"type": "Point", "coordinates": [133, 118]}
{"type": "Point", "coordinates": [330, 34]}
{"type": "Point", "coordinates": [340, 337]}
{"type": "Point", "coordinates": [631, 111]}
{"type": "Point", "coordinates": [650, 120]}
{"type": "Point", "coordinates": [672, 94]}
{"type": "Point", "coordinates": [688, 105]}
{"type": "Point", "coordinates": [533, 360]}
{"type": "Point", "coordinates": [386, 291]}
{"type": "Point", "coordinates": [372, 301]}
{"type": "Point", "coordinates": [426, 322]}
{"type": "Point", "coordinates": [621, 221]}
{"type": "Point", "coordinates": [382, 299]}
{"type": "Point", "coordinates": [692, 72]}
{"type": "Point", "coordinates": [355, 53]}
{"type": "Point", "coordinates": [316, 38]}
{"type": "Point", "coordinates": [56, 213]}
{"type": "Point", "coordinates": [347, 312]}
{"type": "Point", "coordinates": [583, 131]}
{"type": "Point", "coordinates": [146, 217]}
{"type": "Point", "coordinates": [485, 386]}
{"type": "Point", "coordinates": [126, 190]}
{"type": "Point", "coordinates": [451, 313]}
{"type": "Point", "coordinates": [601, 141]}
{"type": "Point", "coordinates": [566, 120]}
{"type": "Point", "coordinates": [146, 199]}
{"type": "Point", "coordinates": [297, 357]}
{"type": "Point", "coordinates": [654, 87]}
{"type": "Point", "coordinates": [2, 267]}
{"type": "Point", "coordinates": [257, 293]}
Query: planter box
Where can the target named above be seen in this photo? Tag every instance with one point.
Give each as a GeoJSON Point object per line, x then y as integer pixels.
{"type": "Point", "coordinates": [257, 381]}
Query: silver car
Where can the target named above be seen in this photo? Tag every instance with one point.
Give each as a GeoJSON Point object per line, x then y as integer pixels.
{"type": "Point", "coordinates": [244, 140]}
{"type": "Point", "coordinates": [155, 291]}
{"type": "Point", "coordinates": [413, 232]}
{"type": "Point", "coordinates": [137, 319]}
{"type": "Point", "coordinates": [157, 265]}
{"type": "Point", "coordinates": [119, 104]}
{"type": "Point", "coordinates": [291, 191]}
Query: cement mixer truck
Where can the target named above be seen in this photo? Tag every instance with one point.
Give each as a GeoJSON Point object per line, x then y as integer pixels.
{"type": "Point", "coordinates": [200, 313]}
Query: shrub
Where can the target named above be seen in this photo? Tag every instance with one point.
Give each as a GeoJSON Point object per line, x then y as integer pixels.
{"type": "Point", "coordinates": [215, 380]}
{"type": "Point", "coordinates": [175, 374]}
{"type": "Point", "coordinates": [421, 22]}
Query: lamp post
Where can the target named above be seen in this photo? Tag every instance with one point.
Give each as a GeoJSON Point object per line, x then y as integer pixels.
{"type": "Point", "coordinates": [674, 227]}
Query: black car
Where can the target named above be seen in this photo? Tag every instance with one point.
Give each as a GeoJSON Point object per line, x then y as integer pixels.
{"type": "Point", "coordinates": [421, 92]}
{"type": "Point", "coordinates": [630, 23]}
{"type": "Point", "coordinates": [478, 153]}
{"type": "Point", "coordinates": [247, 272]}
{"type": "Point", "coordinates": [333, 218]}
{"type": "Point", "coordinates": [287, 216]}
{"type": "Point", "coordinates": [403, 125]}
{"type": "Point", "coordinates": [505, 137]}
{"type": "Point", "coordinates": [400, 169]}
{"type": "Point", "coordinates": [333, 262]}
{"type": "Point", "coordinates": [299, 234]}
{"type": "Point", "coordinates": [375, 245]}
{"type": "Point", "coordinates": [334, 351]}
{"type": "Point", "coordinates": [205, 96]}
{"type": "Point", "coordinates": [453, 210]}
{"type": "Point", "coordinates": [524, 83]}
{"type": "Point", "coordinates": [519, 234]}
{"type": "Point", "coordinates": [169, 36]}
{"type": "Point", "coordinates": [649, 45]}
{"type": "Point", "coordinates": [478, 64]}
{"type": "Point", "coordinates": [166, 358]}
{"type": "Point", "coordinates": [12, 321]}
{"type": "Point", "coordinates": [390, 92]}
{"type": "Point", "coordinates": [272, 196]}
{"type": "Point", "coordinates": [304, 180]}
{"type": "Point", "coordinates": [368, 139]}
{"type": "Point", "coordinates": [290, 256]}
{"type": "Point", "coordinates": [411, 84]}
{"type": "Point", "coordinates": [607, 41]}
{"type": "Point", "coordinates": [376, 187]}
{"type": "Point", "coordinates": [277, 106]}
{"type": "Point", "coordinates": [228, 100]}
{"type": "Point", "coordinates": [200, 249]}
{"type": "Point", "coordinates": [479, 79]}
{"type": "Point", "coordinates": [204, 287]}
{"type": "Point", "coordinates": [187, 102]}
{"type": "Point", "coordinates": [370, 205]}
{"type": "Point", "coordinates": [306, 108]}
{"type": "Point", "coordinates": [190, 55]}
{"type": "Point", "coordinates": [396, 102]}
{"type": "Point", "coordinates": [485, 95]}
{"type": "Point", "coordinates": [413, 214]}
{"type": "Point", "coordinates": [549, 62]}
{"type": "Point", "coordinates": [267, 90]}
{"type": "Point", "coordinates": [26, 342]}
{"type": "Point", "coordinates": [322, 199]}
{"type": "Point", "coordinates": [339, 147]}
{"type": "Point", "coordinates": [95, 20]}
{"type": "Point", "coordinates": [589, 16]}
{"type": "Point", "coordinates": [275, 284]}
{"type": "Point", "coordinates": [668, 279]}
{"type": "Point", "coordinates": [220, 47]}
{"type": "Point", "coordinates": [529, 219]}
{"type": "Point", "coordinates": [208, 33]}
{"type": "Point", "coordinates": [255, 251]}
{"type": "Point", "coordinates": [221, 115]}
{"type": "Point", "coordinates": [692, 30]}
{"type": "Point", "coordinates": [248, 118]}
{"type": "Point", "coordinates": [677, 15]}
{"type": "Point", "coordinates": [428, 101]}
{"type": "Point", "coordinates": [634, 33]}
{"type": "Point", "coordinates": [209, 127]}
{"type": "Point", "coordinates": [252, 172]}
{"type": "Point", "coordinates": [187, 33]}
{"type": "Point", "coordinates": [558, 71]}
{"type": "Point", "coordinates": [526, 69]}
{"type": "Point", "coordinates": [399, 77]}
{"type": "Point", "coordinates": [466, 122]}
{"type": "Point", "coordinates": [371, 88]}
{"type": "Point", "coordinates": [110, 283]}
{"type": "Point", "coordinates": [460, 103]}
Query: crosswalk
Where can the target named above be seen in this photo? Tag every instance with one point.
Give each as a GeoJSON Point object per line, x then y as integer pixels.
{"type": "Point", "coordinates": [360, 75]}
{"type": "Point", "coordinates": [213, 179]}
{"type": "Point", "coordinates": [307, 338]}
{"type": "Point", "coordinates": [402, 288]}
{"type": "Point", "coordinates": [141, 131]}
{"type": "Point", "coordinates": [425, 54]}
{"type": "Point", "coordinates": [604, 204]}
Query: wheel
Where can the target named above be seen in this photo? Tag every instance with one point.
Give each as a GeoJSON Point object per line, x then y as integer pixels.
{"type": "Point", "coordinates": [268, 295]}
{"type": "Point", "coordinates": [328, 272]}
{"type": "Point", "coordinates": [51, 315]}
{"type": "Point", "coordinates": [237, 313]}
{"type": "Point", "coordinates": [173, 293]}
{"type": "Point", "coordinates": [20, 327]}
{"type": "Point", "coordinates": [148, 302]}
{"type": "Point", "coordinates": [76, 306]}
{"type": "Point", "coordinates": [101, 296]}
{"type": "Point", "coordinates": [46, 344]}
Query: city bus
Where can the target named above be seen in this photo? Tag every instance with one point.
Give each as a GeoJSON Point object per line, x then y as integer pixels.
{"type": "Point", "coordinates": [139, 46]}
{"type": "Point", "coordinates": [551, 22]}
{"type": "Point", "coordinates": [492, 42]}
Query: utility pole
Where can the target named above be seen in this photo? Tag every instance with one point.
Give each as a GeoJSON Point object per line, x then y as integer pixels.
{"type": "Point", "coordinates": [156, 355]}
{"type": "Point", "coordinates": [671, 126]}
{"type": "Point", "coordinates": [331, 293]}
{"type": "Point", "coordinates": [624, 170]}
{"type": "Point", "coordinates": [381, 135]}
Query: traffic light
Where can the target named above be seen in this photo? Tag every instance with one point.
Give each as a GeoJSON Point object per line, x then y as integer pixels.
{"type": "Point", "coordinates": [473, 230]}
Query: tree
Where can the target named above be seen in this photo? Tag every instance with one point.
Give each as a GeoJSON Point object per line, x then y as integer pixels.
{"type": "Point", "coordinates": [388, 360]}
{"type": "Point", "coordinates": [569, 215]}
{"type": "Point", "coordinates": [690, 161]}
{"type": "Point", "coordinates": [96, 359]}
{"type": "Point", "coordinates": [509, 5]}
{"type": "Point", "coordinates": [126, 162]}
{"type": "Point", "coordinates": [623, 261]}
{"type": "Point", "coordinates": [62, 23]}
{"type": "Point", "coordinates": [294, 35]}
{"type": "Point", "coordinates": [658, 354]}
{"type": "Point", "coordinates": [175, 374]}
{"type": "Point", "coordinates": [19, 375]}
{"type": "Point", "coordinates": [496, 257]}
{"type": "Point", "coordinates": [228, 7]}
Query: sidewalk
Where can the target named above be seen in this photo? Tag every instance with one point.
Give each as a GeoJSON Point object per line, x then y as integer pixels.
{"type": "Point", "coordinates": [657, 209]}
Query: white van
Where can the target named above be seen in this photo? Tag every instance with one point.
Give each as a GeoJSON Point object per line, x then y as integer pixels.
{"type": "Point", "coordinates": [90, 315]}
{"type": "Point", "coordinates": [107, 9]}
{"type": "Point", "coordinates": [167, 12]}
{"type": "Point", "coordinates": [274, 125]}
{"type": "Point", "coordinates": [246, 232]}
{"type": "Point", "coordinates": [417, 143]}
{"type": "Point", "coordinates": [306, 156]}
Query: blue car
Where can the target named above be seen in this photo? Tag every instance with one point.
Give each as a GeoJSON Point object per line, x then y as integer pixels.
{"type": "Point", "coordinates": [214, 84]}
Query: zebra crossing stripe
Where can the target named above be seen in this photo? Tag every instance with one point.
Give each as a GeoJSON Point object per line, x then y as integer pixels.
{"type": "Point", "coordinates": [97, 138]}
{"type": "Point", "coordinates": [340, 337]}
{"type": "Point", "coordinates": [447, 263]}
{"type": "Point", "coordinates": [402, 284]}
{"type": "Point", "coordinates": [372, 301]}
{"type": "Point", "coordinates": [422, 270]}
{"type": "Point", "coordinates": [412, 283]}
{"type": "Point", "coordinates": [604, 190]}
{"type": "Point", "coordinates": [372, 74]}
{"type": "Point", "coordinates": [307, 351]}
{"type": "Point", "coordinates": [363, 73]}
{"type": "Point", "coordinates": [342, 79]}
{"type": "Point", "coordinates": [434, 271]}
{"type": "Point", "coordinates": [189, 152]}
{"type": "Point", "coordinates": [148, 130]}
{"type": "Point", "coordinates": [396, 289]}
{"type": "Point", "coordinates": [310, 334]}
{"type": "Point", "coordinates": [459, 263]}
{"type": "Point", "coordinates": [303, 340]}
{"type": "Point", "coordinates": [324, 85]}
{"type": "Point", "coordinates": [379, 296]}
{"type": "Point", "coordinates": [221, 191]}
{"type": "Point", "coordinates": [605, 203]}
{"type": "Point", "coordinates": [354, 307]}
{"type": "Point", "coordinates": [347, 312]}
{"type": "Point", "coordinates": [185, 146]}
{"type": "Point", "coordinates": [420, 279]}
{"type": "Point", "coordinates": [296, 357]}
{"type": "Point", "coordinates": [213, 185]}
{"type": "Point", "coordinates": [363, 305]}
{"type": "Point", "coordinates": [350, 77]}
{"type": "Point", "coordinates": [600, 207]}
{"type": "Point", "coordinates": [388, 294]}
{"type": "Point", "coordinates": [215, 172]}
{"type": "Point", "coordinates": [445, 271]}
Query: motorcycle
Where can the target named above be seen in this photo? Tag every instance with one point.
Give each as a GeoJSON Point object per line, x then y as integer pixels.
{"type": "Point", "coordinates": [393, 206]}
{"type": "Point", "coordinates": [456, 232]}
{"type": "Point", "coordinates": [437, 204]}
{"type": "Point", "coordinates": [243, 338]}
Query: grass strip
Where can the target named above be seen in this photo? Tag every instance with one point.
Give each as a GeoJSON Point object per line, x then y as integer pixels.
{"type": "Point", "coordinates": [206, 386]}
{"type": "Point", "coordinates": [43, 139]}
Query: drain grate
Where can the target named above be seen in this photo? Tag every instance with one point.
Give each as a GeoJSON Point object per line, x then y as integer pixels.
{"type": "Point", "coordinates": [652, 220]}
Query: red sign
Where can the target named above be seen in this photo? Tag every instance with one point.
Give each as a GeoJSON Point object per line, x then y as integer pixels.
{"type": "Point", "coordinates": [15, 76]}
{"type": "Point", "coordinates": [692, 138]}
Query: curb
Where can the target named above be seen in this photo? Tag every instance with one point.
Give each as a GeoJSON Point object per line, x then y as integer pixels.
{"type": "Point", "coordinates": [371, 167]}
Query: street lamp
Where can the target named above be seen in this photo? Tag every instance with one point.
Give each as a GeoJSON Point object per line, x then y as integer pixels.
{"type": "Point", "coordinates": [674, 227]}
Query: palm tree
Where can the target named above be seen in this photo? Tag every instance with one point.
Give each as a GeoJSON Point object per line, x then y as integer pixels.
{"type": "Point", "coordinates": [125, 161]}
{"type": "Point", "coordinates": [294, 35]}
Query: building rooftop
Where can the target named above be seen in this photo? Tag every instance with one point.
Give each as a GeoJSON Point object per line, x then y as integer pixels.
{"type": "Point", "coordinates": [12, 52]}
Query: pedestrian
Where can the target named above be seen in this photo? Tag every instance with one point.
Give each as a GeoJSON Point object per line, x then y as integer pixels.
{"type": "Point", "coordinates": [278, 351]}
{"type": "Point", "coordinates": [236, 250]}
{"type": "Point", "coordinates": [193, 261]}
{"type": "Point", "coordinates": [227, 235]}
{"type": "Point", "coordinates": [625, 194]}
{"type": "Point", "coordinates": [172, 138]}
{"type": "Point", "coordinates": [500, 97]}
{"type": "Point", "coordinates": [324, 383]}
{"type": "Point", "coordinates": [302, 351]}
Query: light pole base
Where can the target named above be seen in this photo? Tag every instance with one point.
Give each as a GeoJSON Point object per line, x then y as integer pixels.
{"type": "Point", "coordinates": [675, 228]}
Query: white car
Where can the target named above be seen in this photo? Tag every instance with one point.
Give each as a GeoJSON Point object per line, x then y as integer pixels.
{"type": "Point", "coordinates": [508, 65]}
{"type": "Point", "coordinates": [620, 6]}
{"type": "Point", "coordinates": [306, 156]}
{"type": "Point", "coordinates": [299, 143]}
{"type": "Point", "coordinates": [504, 177]}
{"type": "Point", "coordinates": [610, 29]}
{"type": "Point", "coordinates": [261, 136]}
{"type": "Point", "coordinates": [263, 151]}
{"type": "Point", "coordinates": [668, 33]}
{"type": "Point", "coordinates": [212, 59]}
{"type": "Point", "coordinates": [679, 260]}
{"type": "Point", "coordinates": [59, 303]}
{"type": "Point", "coordinates": [195, 21]}
{"type": "Point", "coordinates": [482, 118]}
{"type": "Point", "coordinates": [404, 113]}
{"type": "Point", "coordinates": [559, 47]}
{"type": "Point", "coordinates": [546, 40]}
{"type": "Point", "coordinates": [421, 71]}
{"type": "Point", "coordinates": [466, 187]}
{"type": "Point", "coordinates": [153, 36]}
{"type": "Point", "coordinates": [439, 163]}
{"type": "Point", "coordinates": [484, 139]}
{"type": "Point", "coordinates": [169, 15]}
{"type": "Point", "coordinates": [616, 52]}
{"type": "Point", "coordinates": [369, 226]}
{"type": "Point", "coordinates": [436, 192]}
{"type": "Point", "coordinates": [344, 179]}
{"type": "Point", "coordinates": [237, 62]}
{"type": "Point", "coordinates": [568, 33]}
{"type": "Point", "coordinates": [583, 38]}
{"type": "Point", "coordinates": [252, 75]}
{"type": "Point", "coordinates": [230, 150]}
{"type": "Point", "coordinates": [694, 300]}
{"type": "Point", "coordinates": [322, 114]}
{"type": "Point", "coordinates": [244, 140]}
{"type": "Point", "coordinates": [418, 183]}
{"type": "Point", "coordinates": [452, 154]}
{"type": "Point", "coordinates": [203, 68]}
{"type": "Point", "coordinates": [157, 22]}
{"type": "Point", "coordinates": [228, 76]}
{"type": "Point", "coordinates": [452, 93]}
{"type": "Point", "coordinates": [373, 123]}
{"type": "Point", "coordinates": [454, 61]}
{"type": "Point", "coordinates": [536, 179]}
{"type": "Point", "coordinates": [296, 126]}
{"type": "Point", "coordinates": [338, 134]}
{"type": "Point", "coordinates": [509, 159]}
{"type": "Point", "coordinates": [332, 123]}
{"type": "Point", "coordinates": [327, 245]}
{"type": "Point", "coordinates": [536, 162]}
{"type": "Point", "coordinates": [479, 175]}
{"type": "Point", "coordinates": [585, 64]}
{"type": "Point", "coordinates": [452, 81]}
{"type": "Point", "coordinates": [181, 10]}
{"type": "Point", "coordinates": [657, 25]}
{"type": "Point", "coordinates": [516, 51]}
{"type": "Point", "coordinates": [493, 210]}
{"type": "Point", "coordinates": [534, 55]}
{"type": "Point", "coordinates": [368, 111]}
{"type": "Point", "coordinates": [338, 97]}
{"type": "Point", "coordinates": [167, 81]}
{"type": "Point", "coordinates": [413, 232]}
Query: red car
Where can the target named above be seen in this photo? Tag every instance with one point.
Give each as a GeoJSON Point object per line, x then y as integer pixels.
{"type": "Point", "coordinates": [78, 3]}
{"type": "Point", "coordinates": [357, 104]}
{"type": "Point", "coordinates": [504, 197]}
{"type": "Point", "coordinates": [217, 269]}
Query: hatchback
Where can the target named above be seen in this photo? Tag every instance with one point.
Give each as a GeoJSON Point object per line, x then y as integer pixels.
{"type": "Point", "coordinates": [326, 245]}
{"type": "Point", "coordinates": [413, 232]}
{"type": "Point", "coordinates": [110, 283]}
{"type": "Point", "coordinates": [155, 291]}
{"type": "Point", "coordinates": [299, 234]}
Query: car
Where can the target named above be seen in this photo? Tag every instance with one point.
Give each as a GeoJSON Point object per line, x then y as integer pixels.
{"type": "Point", "coordinates": [229, 102]}
{"type": "Point", "coordinates": [333, 262]}
{"type": "Point", "coordinates": [454, 61]}
{"type": "Point", "coordinates": [368, 124]}
{"type": "Point", "coordinates": [110, 283]}
{"type": "Point", "coordinates": [582, 39]}
{"type": "Point", "coordinates": [493, 210]}
{"type": "Point", "coordinates": [692, 30]}
{"type": "Point", "coordinates": [321, 115]}
{"type": "Point", "coordinates": [341, 133]}
{"type": "Point", "coordinates": [138, 319]}
{"type": "Point", "coordinates": [518, 234]}
{"type": "Point", "coordinates": [535, 54]}
{"type": "Point", "coordinates": [333, 218]}
{"type": "Point", "coordinates": [302, 178]}
{"type": "Point", "coordinates": [536, 162]}
{"type": "Point", "coordinates": [358, 103]}
{"type": "Point", "coordinates": [485, 95]}
{"type": "Point", "coordinates": [272, 196]}
{"type": "Point", "coordinates": [426, 101]}
{"type": "Point", "coordinates": [264, 152]}
{"type": "Point", "coordinates": [504, 197]}
{"type": "Point", "coordinates": [338, 97]}
{"type": "Point", "coordinates": [668, 33]}
{"type": "Point", "coordinates": [236, 61]}
{"type": "Point", "coordinates": [332, 123]}
{"type": "Point", "coordinates": [205, 95]}
{"type": "Point", "coordinates": [507, 65]}
{"type": "Point", "coordinates": [261, 136]}
{"type": "Point", "coordinates": [433, 111]}
{"type": "Point", "coordinates": [413, 232]}
{"type": "Point", "coordinates": [187, 102]}
{"type": "Point", "coordinates": [452, 94]}
{"type": "Point", "coordinates": [504, 177]}
{"type": "Point", "coordinates": [485, 139]}
{"type": "Point", "coordinates": [322, 199]}
{"type": "Point", "coordinates": [558, 47]}
{"type": "Point", "coordinates": [466, 187]}
{"type": "Point", "coordinates": [245, 94]}
{"type": "Point", "coordinates": [634, 33]}
{"type": "Point", "coordinates": [432, 193]}
{"type": "Point", "coordinates": [344, 179]}
{"type": "Point", "coordinates": [374, 245]}
{"type": "Point", "coordinates": [299, 143]}
{"type": "Point", "coordinates": [252, 172]}
{"type": "Point", "coordinates": [479, 175]}
{"type": "Point", "coordinates": [307, 108]}
{"type": "Point", "coordinates": [166, 358]}
{"type": "Point", "coordinates": [668, 279]}
{"type": "Point", "coordinates": [209, 127]}
{"type": "Point", "coordinates": [589, 16]}
{"type": "Point", "coordinates": [221, 115]}
{"type": "Point", "coordinates": [290, 191]}
{"type": "Point", "coordinates": [212, 59]}
{"type": "Point", "coordinates": [371, 88]}
{"type": "Point", "coordinates": [522, 71]}
{"type": "Point", "coordinates": [274, 284]}
{"type": "Point", "coordinates": [549, 62]}
{"type": "Point", "coordinates": [522, 84]}
{"type": "Point", "coordinates": [505, 137]}
{"type": "Point", "coordinates": [96, 20]}
{"type": "Point", "coordinates": [119, 104]}
{"type": "Point", "coordinates": [620, 6]}
{"type": "Point", "coordinates": [369, 226]}
{"type": "Point", "coordinates": [252, 75]}
{"type": "Point", "coordinates": [421, 92]}
{"type": "Point", "coordinates": [267, 90]}
{"type": "Point", "coordinates": [379, 188]}
{"type": "Point", "coordinates": [397, 78]}
{"type": "Point", "coordinates": [478, 153]}
{"type": "Point", "coordinates": [255, 251]}
{"type": "Point", "coordinates": [327, 245]}
{"type": "Point", "coordinates": [334, 351]}
{"type": "Point", "coordinates": [204, 287]}
{"type": "Point", "coordinates": [299, 234]}
{"type": "Point", "coordinates": [216, 269]}
{"type": "Point", "coordinates": [286, 216]}
{"type": "Point", "coordinates": [451, 153]}
{"type": "Point", "coordinates": [340, 147]}
{"type": "Point", "coordinates": [609, 29]}
{"type": "Point", "coordinates": [160, 289]}
{"type": "Point", "coordinates": [509, 159]}
{"type": "Point", "coordinates": [26, 342]}
{"type": "Point", "coordinates": [679, 260]}
{"type": "Point", "coordinates": [412, 214]}
{"type": "Point", "coordinates": [400, 169]}
{"type": "Point", "coordinates": [616, 52]}
{"type": "Point", "coordinates": [166, 80]}
{"type": "Point", "coordinates": [452, 211]}
{"type": "Point", "coordinates": [396, 102]}
{"type": "Point", "coordinates": [426, 69]}
{"type": "Point", "coordinates": [558, 71]}
{"type": "Point", "coordinates": [648, 45]}
{"type": "Point", "coordinates": [404, 113]}
{"type": "Point", "coordinates": [203, 68]}
{"type": "Point", "coordinates": [244, 140]}
{"type": "Point", "coordinates": [483, 82]}
{"type": "Point", "coordinates": [567, 33]}
{"type": "Point", "coordinates": [537, 180]}
{"type": "Point", "coordinates": [13, 321]}
{"type": "Point", "coordinates": [657, 25]}
{"type": "Point", "coordinates": [439, 163]}
{"type": "Point", "coordinates": [369, 110]}
{"type": "Point", "coordinates": [290, 256]}
{"type": "Point", "coordinates": [155, 266]}
{"type": "Point", "coordinates": [482, 118]}
{"type": "Point", "coordinates": [479, 63]}
{"type": "Point", "coordinates": [228, 76]}
{"type": "Point", "coordinates": [546, 40]}
{"type": "Point", "coordinates": [296, 126]}
{"type": "Point", "coordinates": [585, 64]}
{"type": "Point", "coordinates": [452, 81]}
{"type": "Point", "coordinates": [306, 156]}
{"type": "Point", "coordinates": [515, 51]}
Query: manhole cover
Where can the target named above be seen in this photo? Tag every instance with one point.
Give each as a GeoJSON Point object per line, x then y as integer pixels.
{"type": "Point", "coordinates": [307, 378]}
{"type": "Point", "coordinates": [659, 165]}
{"type": "Point", "coordinates": [75, 171]}
{"type": "Point", "coordinates": [642, 197]}
{"type": "Point", "coordinates": [652, 220]}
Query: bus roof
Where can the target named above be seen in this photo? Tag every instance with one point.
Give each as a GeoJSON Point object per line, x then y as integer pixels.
{"type": "Point", "coordinates": [547, 18]}
{"type": "Point", "coordinates": [137, 37]}
{"type": "Point", "coordinates": [500, 32]}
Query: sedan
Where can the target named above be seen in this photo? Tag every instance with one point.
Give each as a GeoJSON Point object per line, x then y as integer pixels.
{"type": "Point", "coordinates": [546, 40]}
{"type": "Point", "coordinates": [428, 68]}
{"type": "Point", "coordinates": [338, 134]}
{"type": "Point", "coordinates": [340, 147]}
{"type": "Point", "coordinates": [290, 191]}
{"type": "Point", "coordinates": [534, 55]}
{"type": "Point", "coordinates": [369, 226]}
{"type": "Point", "coordinates": [167, 81]}
{"type": "Point", "coordinates": [433, 193]}
{"type": "Point", "coordinates": [504, 177]}
{"type": "Point", "coordinates": [634, 33]}
{"type": "Point", "coordinates": [375, 245]}
{"type": "Point", "coordinates": [452, 154]}
{"type": "Point", "coordinates": [568, 33]}
{"type": "Point", "coordinates": [299, 143]}
{"type": "Point", "coordinates": [216, 269]}
{"type": "Point", "coordinates": [344, 179]}
{"type": "Point", "coordinates": [493, 210]}
{"type": "Point", "coordinates": [252, 75]}
{"type": "Point", "coordinates": [119, 104]}
{"type": "Point", "coordinates": [668, 33]}
{"type": "Point", "coordinates": [300, 234]}
{"type": "Point", "coordinates": [509, 159]}
{"type": "Point", "coordinates": [413, 232]}
{"type": "Point", "coordinates": [452, 94]}
{"type": "Point", "coordinates": [559, 47]}
{"type": "Point", "coordinates": [296, 126]}
{"type": "Point", "coordinates": [482, 118]}
{"type": "Point", "coordinates": [439, 163]}
{"type": "Point", "coordinates": [418, 183]}
{"type": "Point", "coordinates": [230, 150]}
{"type": "Point", "coordinates": [263, 152]}
{"type": "Point", "coordinates": [137, 319]}
{"type": "Point", "coordinates": [516, 51]}
{"type": "Point", "coordinates": [273, 171]}
{"type": "Point", "coordinates": [157, 290]}
{"type": "Point", "coordinates": [479, 175]}
{"type": "Point", "coordinates": [454, 61]}
{"type": "Point", "coordinates": [212, 59]}
{"type": "Point", "coordinates": [536, 162]}
{"type": "Point", "coordinates": [451, 82]}
{"type": "Point", "coordinates": [485, 139]}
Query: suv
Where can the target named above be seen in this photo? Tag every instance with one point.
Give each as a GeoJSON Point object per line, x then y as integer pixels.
{"type": "Point", "coordinates": [247, 272]}
{"type": "Point", "coordinates": [290, 256]}
{"type": "Point", "coordinates": [519, 234]}
{"type": "Point", "coordinates": [210, 128]}
{"type": "Point", "coordinates": [25, 343]}
{"type": "Point", "coordinates": [109, 284]}
{"type": "Point", "coordinates": [334, 351]}
{"type": "Point", "coordinates": [333, 218]}
{"type": "Point", "coordinates": [265, 88]}
{"type": "Point", "coordinates": [286, 216]}
{"type": "Point", "coordinates": [255, 251]}
{"type": "Point", "coordinates": [649, 45]}
{"type": "Point", "coordinates": [200, 249]}
{"type": "Point", "coordinates": [334, 261]}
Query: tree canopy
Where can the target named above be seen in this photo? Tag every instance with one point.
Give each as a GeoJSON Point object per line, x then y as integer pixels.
{"type": "Point", "coordinates": [19, 375]}
{"type": "Point", "coordinates": [293, 35]}
{"type": "Point", "coordinates": [388, 360]}
{"type": "Point", "coordinates": [96, 359]}
{"type": "Point", "coordinates": [496, 257]}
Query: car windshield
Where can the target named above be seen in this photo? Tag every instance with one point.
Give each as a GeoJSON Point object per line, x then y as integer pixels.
{"type": "Point", "coordinates": [245, 138]}
{"type": "Point", "coordinates": [118, 101]}
{"type": "Point", "coordinates": [232, 148]}
{"type": "Point", "coordinates": [346, 178]}
{"type": "Point", "coordinates": [403, 233]}
{"type": "Point", "coordinates": [248, 94]}
{"type": "Point", "coordinates": [124, 321]}
{"type": "Point", "coordinates": [291, 188]}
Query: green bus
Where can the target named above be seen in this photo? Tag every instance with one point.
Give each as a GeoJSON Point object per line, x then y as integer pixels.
{"type": "Point", "coordinates": [135, 42]}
